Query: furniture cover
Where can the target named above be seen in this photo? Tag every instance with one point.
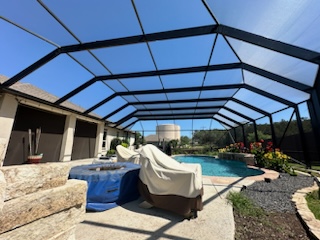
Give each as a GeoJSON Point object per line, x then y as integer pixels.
{"type": "Point", "coordinates": [127, 155]}
{"type": "Point", "coordinates": [108, 188]}
{"type": "Point", "coordinates": [168, 184]}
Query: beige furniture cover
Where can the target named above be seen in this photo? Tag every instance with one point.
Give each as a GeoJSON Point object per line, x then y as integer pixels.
{"type": "Point", "coordinates": [168, 184]}
{"type": "Point", "coordinates": [127, 155]}
{"type": "Point", "coordinates": [163, 175]}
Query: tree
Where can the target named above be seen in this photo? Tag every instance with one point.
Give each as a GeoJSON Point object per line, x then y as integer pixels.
{"type": "Point", "coordinates": [184, 140]}
{"type": "Point", "coordinates": [252, 138]}
{"type": "Point", "coordinates": [139, 139]}
{"type": "Point", "coordinates": [174, 143]}
{"type": "Point", "coordinates": [208, 137]}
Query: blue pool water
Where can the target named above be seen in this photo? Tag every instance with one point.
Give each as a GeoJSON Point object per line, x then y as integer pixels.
{"type": "Point", "coordinates": [218, 167]}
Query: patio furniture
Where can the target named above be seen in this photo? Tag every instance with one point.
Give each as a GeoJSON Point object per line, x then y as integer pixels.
{"type": "Point", "coordinates": [168, 184]}
{"type": "Point", "coordinates": [127, 155]}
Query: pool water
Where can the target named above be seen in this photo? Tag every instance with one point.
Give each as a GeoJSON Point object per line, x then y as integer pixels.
{"type": "Point", "coordinates": [218, 167]}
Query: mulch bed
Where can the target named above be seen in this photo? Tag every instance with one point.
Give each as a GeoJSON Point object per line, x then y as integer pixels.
{"type": "Point", "coordinates": [273, 226]}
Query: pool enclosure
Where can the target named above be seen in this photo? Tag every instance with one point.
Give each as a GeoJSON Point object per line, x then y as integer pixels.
{"type": "Point", "coordinates": [137, 64]}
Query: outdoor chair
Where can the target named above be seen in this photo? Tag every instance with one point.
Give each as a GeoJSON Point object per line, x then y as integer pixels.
{"type": "Point", "coordinates": [167, 184]}
{"type": "Point", "coordinates": [127, 155]}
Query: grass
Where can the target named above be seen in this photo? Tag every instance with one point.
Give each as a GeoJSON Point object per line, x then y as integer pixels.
{"type": "Point", "coordinates": [302, 168]}
{"type": "Point", "coordinates": [314, 203]}
{"type": "Point", "coordinates": [296, 165]}
{"type": "Point", "coordinates": [243, 205]}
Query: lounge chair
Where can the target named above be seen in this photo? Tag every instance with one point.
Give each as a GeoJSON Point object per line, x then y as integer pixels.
{"type": "Point", "coordinates": [127, 155]}
{"type": "Point", "coordinates": [168, 184]}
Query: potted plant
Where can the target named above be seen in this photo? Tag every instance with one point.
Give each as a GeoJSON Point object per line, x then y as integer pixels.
{"type": "Point", "coordinates": [34, 156]}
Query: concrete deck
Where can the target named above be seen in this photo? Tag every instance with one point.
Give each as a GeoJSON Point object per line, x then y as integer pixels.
{"type": "Point", "coordinates": [130, 221]}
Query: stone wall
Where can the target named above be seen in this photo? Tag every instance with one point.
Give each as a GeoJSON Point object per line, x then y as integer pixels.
{"type": "Point", "coordinates": [243, 157]}
{"type": "Point", "coordinates": [308, 219]}
{"type": "Point", "coordinates": [37, 201]}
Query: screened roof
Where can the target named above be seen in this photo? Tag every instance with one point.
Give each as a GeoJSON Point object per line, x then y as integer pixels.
{"type": "Point", "coordinates": [133, 62]}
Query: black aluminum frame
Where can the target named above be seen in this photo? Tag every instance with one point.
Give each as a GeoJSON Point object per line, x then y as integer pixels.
{"type": "Point", "coordinates": [225, 31]}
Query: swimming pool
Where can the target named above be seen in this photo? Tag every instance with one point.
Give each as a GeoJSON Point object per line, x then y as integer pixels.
{"type": "Point", "coordinates": [217, 167]}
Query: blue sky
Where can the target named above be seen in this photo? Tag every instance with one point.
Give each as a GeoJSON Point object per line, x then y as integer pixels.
{"type": "Point", "coordinates": [19, 49]}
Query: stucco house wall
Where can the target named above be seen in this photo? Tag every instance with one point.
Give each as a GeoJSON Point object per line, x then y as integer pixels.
{"type": "Point", "coordinates": [65, 136]}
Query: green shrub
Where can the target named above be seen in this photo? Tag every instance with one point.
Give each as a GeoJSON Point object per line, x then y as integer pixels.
{"type": "Point", "coordinates": [123, 144]}
{"type": "Point", "coordinates": [111, 152]}
{"type": "Point", "coordinates": [114, 143]}
{"type": "Point", "coordinates": [125, 141]}
{"type": "Point", "coordinates": [243, 205]}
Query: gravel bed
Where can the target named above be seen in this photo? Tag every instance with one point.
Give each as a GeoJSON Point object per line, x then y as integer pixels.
{"type": "Point", "coordinates": [276, 195]}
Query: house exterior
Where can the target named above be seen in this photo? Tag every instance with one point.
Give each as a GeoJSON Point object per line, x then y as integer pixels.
{"type": "Point", "coordinates": [65, 135]}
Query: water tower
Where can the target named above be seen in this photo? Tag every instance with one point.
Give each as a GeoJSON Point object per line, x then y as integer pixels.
{"type": "Point", "coordinates": [168, 132]}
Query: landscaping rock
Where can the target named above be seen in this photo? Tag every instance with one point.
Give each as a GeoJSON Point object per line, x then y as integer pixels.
{"type": "Point", "coordinates": [49, 227]}
{"type": "Point", "coordinates": [23, 210]}
{"type": "Point", "coordinates": [311, 223]}
{"type": "Point", "coordinates": [277, 194]}
{"type": "Point", "coordinates": [30, 178]}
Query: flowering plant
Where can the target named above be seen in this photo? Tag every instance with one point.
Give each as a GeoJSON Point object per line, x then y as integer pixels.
{"type": "Point", "coordinates": [276, 160]}
{"type": "Point", "coordinates": [222, 150]}
{"type": "Point", "coordinates": [259, 150]}
{"type": "Point", "coordinates": [236, 147]}
{"type": "Point", "coordinates": [268, 157]}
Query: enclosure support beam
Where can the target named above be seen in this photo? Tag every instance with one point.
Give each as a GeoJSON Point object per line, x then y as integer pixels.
{"type": "Point", "coordinates": [255, 130]}
{"type": "Point", "coordinates": [286, 129]}
{"type": "Point", "coordinates": [116, 111]}
{"type": "Point", "coordinates": [77, 90]}
{"type": "Point", "coordinates": [302, 139]}
{"type": "Point", "coordinates": [225, 117]}
{"type": "Point", "coordinates": [218, 120]}
{"type": "Point", "coordinates": [274, 138]}
{"type": "Point", "coordinates": [238, 113]}
{"type": "Point", "coordinates": [268, 95]}
{"type": "Point", "coordinates": [130, 125]}
{"type": "Point", "coordinates": [244, 136]}
{"type": "Point", "coordinates": [275, 77]}
{"type": "Point", "coordinates": [314, 111]}
{"type": "Point", "coordinates": [274, 45]}
{"type": "Point", "coordinates": [31, 68]}
{"type": "Point", "coordinates": [235, 135]}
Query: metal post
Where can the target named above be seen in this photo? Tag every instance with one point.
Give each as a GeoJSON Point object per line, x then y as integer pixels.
{"type": "Point", "coordinates": [314, 111]}
{"type": "Point", "coordinates": [255, 131]}
{"type": "Point", "coordinates": [302, 138]}
{"type": "Point", "coordinates": [244, 136]}
{"type": "Point", "coordinates": [314, 106]}
{"type": "Point", "coordinates": [286, 129]}
{"type": "Point", "coordinates": [274, 137]}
